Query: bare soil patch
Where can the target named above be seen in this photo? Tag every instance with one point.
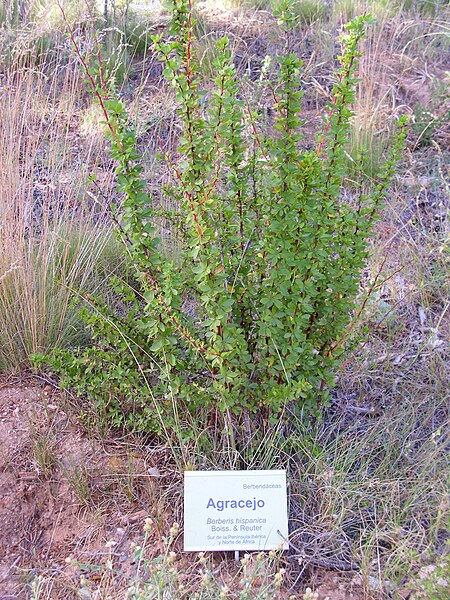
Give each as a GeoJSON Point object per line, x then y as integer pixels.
{"type": "Point", "coordinates": [62, 494]}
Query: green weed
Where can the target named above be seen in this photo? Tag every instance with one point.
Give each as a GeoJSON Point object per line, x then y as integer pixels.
{"type": "Point", "coordinates": [79, 479]}
{"type": "Point", "coordinates": [43, 447]}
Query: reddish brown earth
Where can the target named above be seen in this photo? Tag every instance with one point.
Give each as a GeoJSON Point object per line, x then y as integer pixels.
{"type": "Point", "coordinates": [69, 509]}
{"type": "Point", "coordinates": [64, 496]}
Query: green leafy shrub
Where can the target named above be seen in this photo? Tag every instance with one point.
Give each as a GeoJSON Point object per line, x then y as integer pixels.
{"type": "Point", "coordinates": [305, 11]}
{"type": "Point", "coordinates": [250, 320]}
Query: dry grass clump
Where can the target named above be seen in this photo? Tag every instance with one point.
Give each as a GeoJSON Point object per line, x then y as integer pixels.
{"type": "Point", "coordinates": [370, 491]}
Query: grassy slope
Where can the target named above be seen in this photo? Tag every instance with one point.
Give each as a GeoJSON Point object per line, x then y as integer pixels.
{"type": "Point", "coordinates": [370, 486]}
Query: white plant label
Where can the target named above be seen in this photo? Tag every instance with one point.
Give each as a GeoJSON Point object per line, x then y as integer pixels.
{"type": "Point", "coordinates": [235, 510]}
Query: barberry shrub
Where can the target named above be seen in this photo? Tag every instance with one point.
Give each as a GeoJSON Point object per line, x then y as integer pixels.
{"type": "Point", "coordinates": [271, 254]}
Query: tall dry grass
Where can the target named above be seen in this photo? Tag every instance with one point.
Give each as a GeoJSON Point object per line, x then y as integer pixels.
{"type": "Point", "coordinates": [52, 233]}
